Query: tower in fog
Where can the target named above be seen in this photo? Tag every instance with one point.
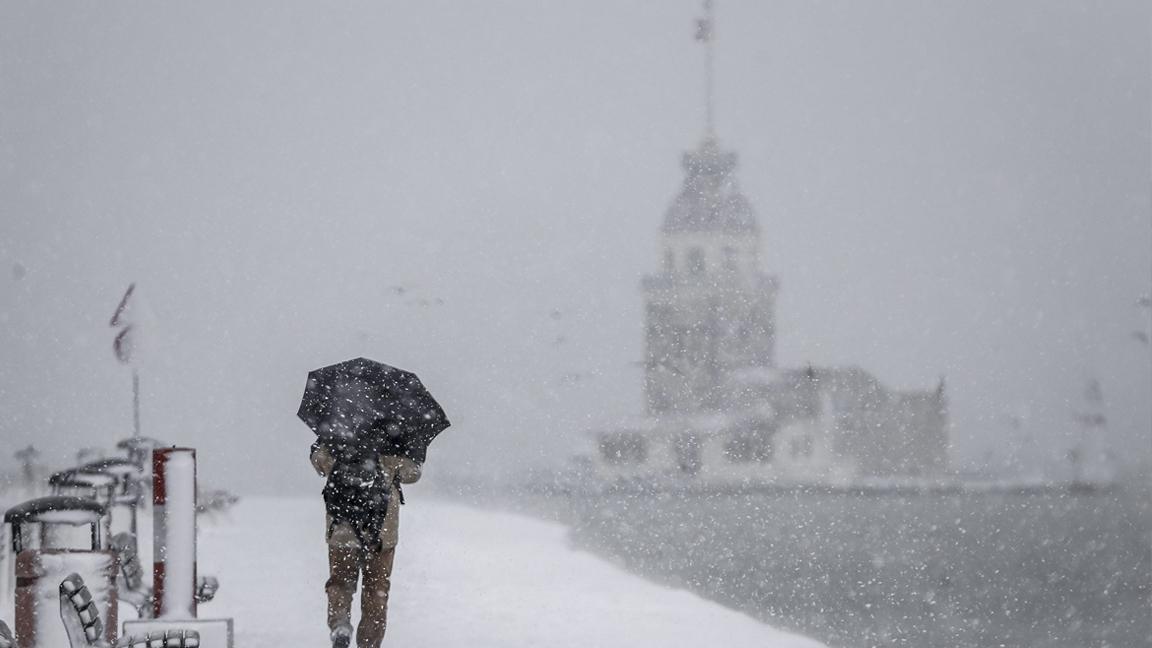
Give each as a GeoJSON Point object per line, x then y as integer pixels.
{"type": "Point", "coordinates": [720, 413]}
{"type": "Point", "coordinates": [710, 311]}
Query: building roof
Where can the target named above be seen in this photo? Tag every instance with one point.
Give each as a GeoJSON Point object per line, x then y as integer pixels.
{"type": "Point", "coordinates": [710, 200]}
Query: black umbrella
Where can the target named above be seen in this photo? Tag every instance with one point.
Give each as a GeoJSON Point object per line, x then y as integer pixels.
{"type": "Point", "coordinates": [362, 401]}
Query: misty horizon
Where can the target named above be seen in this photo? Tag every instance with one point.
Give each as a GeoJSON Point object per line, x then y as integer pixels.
{"type": "Point", "coordinates": [955, 190]}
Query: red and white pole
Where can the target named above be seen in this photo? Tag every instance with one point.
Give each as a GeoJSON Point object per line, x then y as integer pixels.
{"type": "Point", "coordinates": [174, 532]}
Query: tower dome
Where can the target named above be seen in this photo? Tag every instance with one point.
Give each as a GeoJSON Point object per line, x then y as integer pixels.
{"type": "Point", "coordinates": [710, 200]}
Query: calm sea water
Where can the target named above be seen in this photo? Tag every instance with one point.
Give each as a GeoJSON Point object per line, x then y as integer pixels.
{"type": "Point", "coordinates": [929, 571]}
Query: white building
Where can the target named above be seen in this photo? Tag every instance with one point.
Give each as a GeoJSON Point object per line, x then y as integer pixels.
{"type": "Point", "coordinates": [720, 413]}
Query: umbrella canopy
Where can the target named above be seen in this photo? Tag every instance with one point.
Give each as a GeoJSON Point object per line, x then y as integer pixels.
{"type": "Point", "coordinates": [367, 402]}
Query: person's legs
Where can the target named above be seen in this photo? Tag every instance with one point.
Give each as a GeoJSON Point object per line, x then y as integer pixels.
{"type": "Point", "coordinates": [344, 571]}
{"type": "Point", "coordinates": [374, 598]}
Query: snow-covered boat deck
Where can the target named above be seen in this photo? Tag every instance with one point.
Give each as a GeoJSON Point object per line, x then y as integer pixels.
{"type": "Point", "coordinates": [464, 577]}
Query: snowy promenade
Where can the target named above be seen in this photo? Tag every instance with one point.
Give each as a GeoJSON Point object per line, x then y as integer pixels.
{"type": "Point", "coordinates": [464, 578]}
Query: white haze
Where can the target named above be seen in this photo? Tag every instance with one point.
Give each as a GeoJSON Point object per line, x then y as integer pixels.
{"type": "Point", "coordinates": [945, 188]}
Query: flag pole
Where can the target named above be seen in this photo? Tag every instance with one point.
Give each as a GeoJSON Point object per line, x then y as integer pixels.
{"type": "Point", "coordinates": [136, 401]}
{"type": "Point", "coordinates": [710, 71]}
{"type": "Point", "coordinates": [122, 346]}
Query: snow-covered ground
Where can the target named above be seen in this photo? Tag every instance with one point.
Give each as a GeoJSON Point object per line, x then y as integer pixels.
{"type": "Point", "coordinates": [464, 577]}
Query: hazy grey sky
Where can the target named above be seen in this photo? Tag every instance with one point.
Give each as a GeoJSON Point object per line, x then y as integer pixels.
{"type": "Point", "coordinates": [945, 188]}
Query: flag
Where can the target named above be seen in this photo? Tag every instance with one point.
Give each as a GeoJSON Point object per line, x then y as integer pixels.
{"type": "Point", "coordinates": [704, 30]}
{"type": "Point", "coordinates": [120, 317]}
{"type": "Point", "coordinates": [124, 344]}
{"type": "Point", "coordinates": [704, 25]}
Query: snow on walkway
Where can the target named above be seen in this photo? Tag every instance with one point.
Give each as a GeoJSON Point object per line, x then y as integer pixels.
{"type": "Point", "coordinates": [464, 578]}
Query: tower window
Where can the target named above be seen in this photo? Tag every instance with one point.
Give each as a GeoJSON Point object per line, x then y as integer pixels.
{"type": "Point", "coordinates": [696, 260]}
{"type": "Point", "coordinates": [688, 454]}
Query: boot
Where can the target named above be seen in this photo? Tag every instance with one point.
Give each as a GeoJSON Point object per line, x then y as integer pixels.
{"type": "Point", "coordinates": [341, 635]}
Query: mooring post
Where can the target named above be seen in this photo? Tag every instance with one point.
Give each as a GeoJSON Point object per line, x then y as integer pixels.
{"type": "Point", "coordinates": [174, 532]}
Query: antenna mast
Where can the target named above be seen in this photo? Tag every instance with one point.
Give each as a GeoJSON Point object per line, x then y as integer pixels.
{"type": "Point", "coordinates": [705, 33]}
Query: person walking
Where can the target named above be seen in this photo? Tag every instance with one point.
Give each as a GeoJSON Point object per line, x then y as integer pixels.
{"type": "Point", "coordinates": [361, 538]}
{"type": "Point", "coordinates": [373, 424]}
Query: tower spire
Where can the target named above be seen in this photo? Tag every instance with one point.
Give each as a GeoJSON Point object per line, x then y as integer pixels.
{"type": "Point", "coordinates": [705, 33]}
